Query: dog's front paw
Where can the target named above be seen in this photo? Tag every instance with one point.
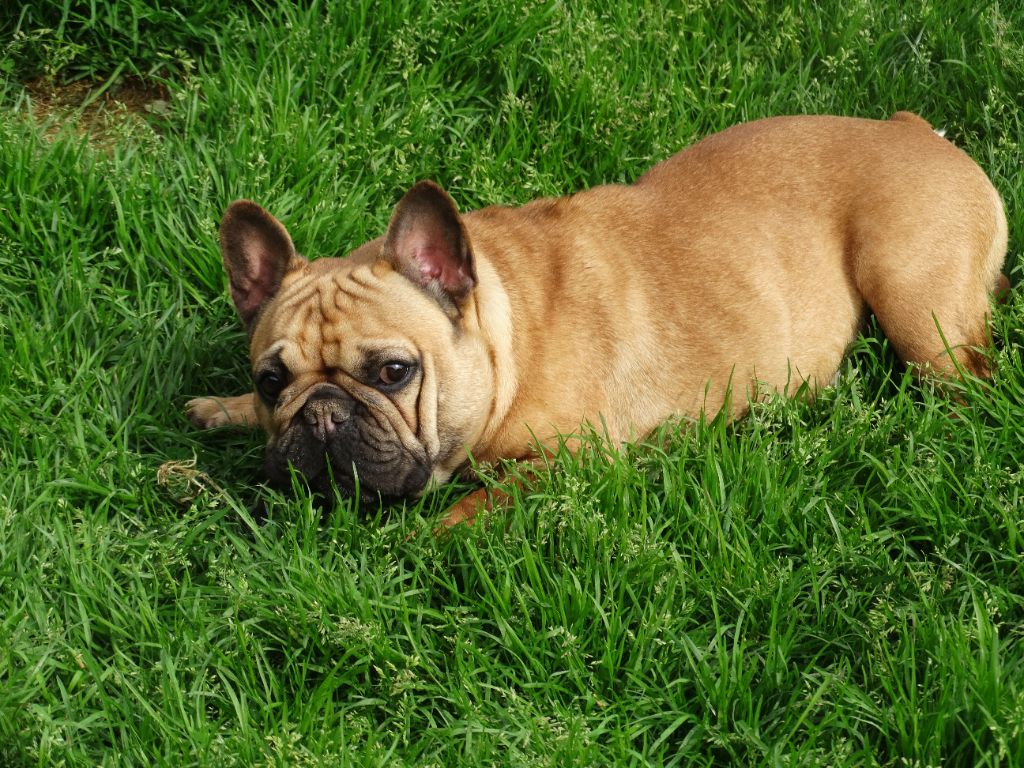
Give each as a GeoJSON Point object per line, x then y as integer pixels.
{"type": "Point", "coordinates": [465, 510]}
{"type": "Point", "coordinates": [212, 412]}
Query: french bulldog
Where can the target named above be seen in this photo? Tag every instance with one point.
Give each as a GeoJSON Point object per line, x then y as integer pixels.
{"type": "Point", "coordinates": [743, 265]}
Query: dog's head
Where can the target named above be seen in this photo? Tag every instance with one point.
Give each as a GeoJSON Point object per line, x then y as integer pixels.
{"type": "Point", "coordinates": [369, 371]}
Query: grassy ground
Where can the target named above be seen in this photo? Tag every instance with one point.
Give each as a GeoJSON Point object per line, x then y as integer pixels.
{"type": "Point", "coordinates": [829, 584]}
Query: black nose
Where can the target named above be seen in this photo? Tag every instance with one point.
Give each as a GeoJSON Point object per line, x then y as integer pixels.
{"type": "Point", "coordinates": [325, 409]}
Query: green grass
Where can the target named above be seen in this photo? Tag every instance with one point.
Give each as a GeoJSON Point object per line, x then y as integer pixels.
{"type": "Point", "coordinates": [836, 583]}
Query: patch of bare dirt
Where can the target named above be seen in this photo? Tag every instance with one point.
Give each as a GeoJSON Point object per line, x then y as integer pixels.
{"type": "Point", "coordinates": [104, 115]}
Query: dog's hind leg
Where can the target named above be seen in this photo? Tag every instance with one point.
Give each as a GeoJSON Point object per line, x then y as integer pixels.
{"type": "Point", "coordinates": [930, 290]}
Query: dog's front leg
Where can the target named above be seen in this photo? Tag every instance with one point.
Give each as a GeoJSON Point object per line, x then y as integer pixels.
{"type": "Point", "coordinates": [210, 412]}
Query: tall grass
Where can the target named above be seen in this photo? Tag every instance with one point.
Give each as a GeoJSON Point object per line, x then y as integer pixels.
{"type": "Point", "coordinates": [827, 583]}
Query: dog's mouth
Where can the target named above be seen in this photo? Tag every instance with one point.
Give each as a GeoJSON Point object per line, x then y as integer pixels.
{"type": "Point", "coordinates": [354, 456]}
{"type": "Point", "coordinates": [353, 484]}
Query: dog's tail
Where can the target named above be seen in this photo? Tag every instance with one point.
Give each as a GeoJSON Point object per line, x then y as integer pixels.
{"type": "Point", "coordinates": [910, 117]}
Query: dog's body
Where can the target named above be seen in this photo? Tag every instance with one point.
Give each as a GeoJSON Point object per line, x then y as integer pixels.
{"type": "Point", "coordinates": [747, 261]}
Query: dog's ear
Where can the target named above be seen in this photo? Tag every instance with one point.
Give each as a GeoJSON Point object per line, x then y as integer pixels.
{"type": "Point", "coordinates": [257, 252]}
{"type": "Point", "coordinates": [428, 243]}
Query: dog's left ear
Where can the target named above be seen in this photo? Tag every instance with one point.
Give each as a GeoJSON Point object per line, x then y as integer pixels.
{"type": "Point", "coordinates": [428, 243]}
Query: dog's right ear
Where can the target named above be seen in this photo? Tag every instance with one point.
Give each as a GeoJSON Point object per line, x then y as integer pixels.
{"type": "Point", "coordinates": [257, 252]}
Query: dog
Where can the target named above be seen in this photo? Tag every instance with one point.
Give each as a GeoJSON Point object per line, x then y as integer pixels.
{"type": "Point", "coordinates": [743, 265]}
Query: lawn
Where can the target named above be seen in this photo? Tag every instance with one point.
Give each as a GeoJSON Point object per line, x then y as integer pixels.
{"type": "Point", "coordinates": [828, 583]}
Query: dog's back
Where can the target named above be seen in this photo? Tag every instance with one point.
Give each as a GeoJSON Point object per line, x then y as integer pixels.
{"type": "Point", "coordinates": [747, 260]}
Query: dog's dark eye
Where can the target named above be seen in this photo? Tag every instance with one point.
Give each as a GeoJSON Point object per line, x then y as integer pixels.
{"type": "Point", "coordinates": [393, 374]}
{"type": "Point", "coordinates": [269, 385]}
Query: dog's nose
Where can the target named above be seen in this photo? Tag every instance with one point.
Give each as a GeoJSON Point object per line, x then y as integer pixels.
{"type": "Point", "coordinates": [323, 414]}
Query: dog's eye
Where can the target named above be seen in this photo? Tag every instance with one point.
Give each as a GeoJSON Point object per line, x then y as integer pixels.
{"type": "Point", "coordinates": [393, 374]}
{"type": "Point", "coordinates": [270, 385]}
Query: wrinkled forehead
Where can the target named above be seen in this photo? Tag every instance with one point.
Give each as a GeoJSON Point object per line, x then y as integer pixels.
{"type": "Point", "coordinates": [335, 319]}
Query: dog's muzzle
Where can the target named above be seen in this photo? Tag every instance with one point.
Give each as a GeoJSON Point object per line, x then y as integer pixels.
{"type": "Point", "coordinates": [336, 439]}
